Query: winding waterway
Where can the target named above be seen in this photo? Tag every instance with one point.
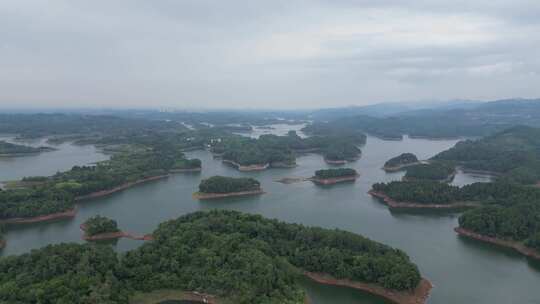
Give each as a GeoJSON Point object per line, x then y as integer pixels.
{"type": "Point", "coordinates": [462, 271]}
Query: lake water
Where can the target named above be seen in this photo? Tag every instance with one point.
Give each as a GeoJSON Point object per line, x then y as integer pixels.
{"type": "Point", "coordinates": [462, 271]}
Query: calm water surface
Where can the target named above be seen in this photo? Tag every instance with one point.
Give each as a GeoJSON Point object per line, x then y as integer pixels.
{"type": "Point", "coordinates": [462, 271]}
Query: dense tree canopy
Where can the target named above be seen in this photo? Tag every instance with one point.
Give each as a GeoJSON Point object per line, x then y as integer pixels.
{"type": "Point", "coordinates": [223, 184]}
{"type": "Point", "coordinates": [422, 191]}
{"type": "Point", "coordinates": [99, 224]}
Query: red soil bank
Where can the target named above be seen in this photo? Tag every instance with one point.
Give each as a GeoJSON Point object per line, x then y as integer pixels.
{"type": "Point", "coordinates": [404, 205]}
{"type": "Point", "coordinates": [203, 196]}
{"type": "Point", "coordinates": [114, 235]}
{"type": "Point", "coordinates": [119, 188]}
{"type": "Point", "coordinates": [42, 218]}
{"type": "Point", "coordinates": [331, 181]}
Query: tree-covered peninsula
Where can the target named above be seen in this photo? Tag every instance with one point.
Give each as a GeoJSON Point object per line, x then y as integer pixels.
{"type": "Point", "coordinates": [57, 194]}
{"type": "Point", "coordinates": [514, 154]}
{"type": "Point", "coordinates": [237, 257]}
{"type": "Point", "coordinates": [401, 161]}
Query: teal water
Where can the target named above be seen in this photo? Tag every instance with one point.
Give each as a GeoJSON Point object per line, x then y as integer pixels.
{"type": "Point", "coordinates": [462, 271]}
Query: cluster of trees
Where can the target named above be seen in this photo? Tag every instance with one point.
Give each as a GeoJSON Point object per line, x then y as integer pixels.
{"type": "Point", "coordinates": [223, 184]}
{"type": "Point", "coordinates": [400, 160]}
{"type": "Point", "coordinates": [435, 171]}
{"type": "Point", "coordinates": [514, 153]}
{"type": "Point", "coordinates": [7, 148]}
{"type": "Point", "coordinates": [63, 274]}
{"type": "Point", "coordinates": [57, 193]}
{"type": "Point", "coordinates": [239, 257]}
{"type": "Point", "coordinates": [99, 224]}
{"type": "Point", "coordinates": [269, 149]}
{"type": "Point", "coordinates": [333, 173]}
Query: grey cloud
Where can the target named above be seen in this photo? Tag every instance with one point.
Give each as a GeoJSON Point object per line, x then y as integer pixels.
{"type": "Point", "coordinates": [265, 53]}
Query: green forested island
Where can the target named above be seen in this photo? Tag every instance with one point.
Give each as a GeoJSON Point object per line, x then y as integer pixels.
{"type": "Point", "coordinates": [400, 161]}
{"type": "Point", "coordinates": [433, 171]}
{"type": "Point", "coordinates": [280, 151]}
{"type": "Point", "coordinates": [238, 257]}
{"type": "Point", "coordinates": [335, 173]}
{"type": "Point", "coordinates": [513, 153]}
{"type": "Point", "coordinates": [57, 193]}
{"type": "Point", "coordinates": [9, 149]}
{"type": "Point", "coordinates": [99, 225]}
{"type": "Point", "coordinates": [223, 184]}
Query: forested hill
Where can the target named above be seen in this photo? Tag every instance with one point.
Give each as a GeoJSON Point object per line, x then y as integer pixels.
{"type": "Point", "coordinates": [514, 153]}
{"type": "Point", "coordinates": [480, 119]}
{"type": "Point", "coordinates": [238, 257]}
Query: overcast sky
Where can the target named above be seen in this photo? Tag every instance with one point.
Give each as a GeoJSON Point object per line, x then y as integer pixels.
{"type": "Point", "coordinates": [265, 54]}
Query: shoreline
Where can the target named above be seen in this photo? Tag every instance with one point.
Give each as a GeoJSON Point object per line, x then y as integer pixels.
{"type": "Point", "coordinates": [517, 246]}
{"type": "Point", "coordinates": [335, 162]}
{"type": "Point", "coordinates": [205, 196]}
{"type": "Point", "coordinates": [119, 188]}
{"type": "Point", "coordinates": [334, 180]}
{"type": "Point", "coordinates": [418, 296]}
{"type": "Point", "coordinates": [393, 204]}
{"type": "Point", "coordinates": [258, 167]}
{"type": "Point", "coordinates": [185, 170]}
{"type": "Point", "coordinates": [113, 235]}
{"type": "Point", "coordinates": [41, 218]}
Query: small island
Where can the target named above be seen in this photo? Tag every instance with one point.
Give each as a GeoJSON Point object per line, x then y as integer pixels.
{"type": "Point", "coordinates": [334, 176]}
{"type": "Point", "coordinates": [400, 162]}
{"type": "Point", "coordinates": [440, 172]}
{"type": "Point", "coordinates": [222, 186]}
{"type": "Point", "coordinates": [99, 228]}
{"type": "Point", "coordinates": [10, 149]}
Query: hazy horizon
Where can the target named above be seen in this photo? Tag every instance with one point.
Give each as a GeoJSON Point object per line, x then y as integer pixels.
{"type": "Point", "coordinates": [264, 55]}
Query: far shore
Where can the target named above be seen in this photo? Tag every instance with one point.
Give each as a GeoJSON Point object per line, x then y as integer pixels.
{"type": "Point", "coordinates": [205, 196]}
{"type": "Point", "coordinates": [407, 205]}
{"type": "Point", "coordinates": [418, 296]}
{"type": "Point", "coordinates": [114, 235]}
{"type": "Point", "coordinates": [159, 296]}
{"type": "Point", "coordinates": [517, 246]}
{"type": "Point", "coordinates": [42, 218]}
{"type": "Point", "coordinates": [335, 162]}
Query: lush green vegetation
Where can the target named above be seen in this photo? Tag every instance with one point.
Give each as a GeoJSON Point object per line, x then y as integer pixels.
{"type": "Point", "coordinates": [514, 153]}
{"type": "Point", "coordinates": [275, 150]}
{"type": "Point", "coordinates": [57, 193]}
{"type": "Point", "coordinates": [33, 202]}
{"type": "Point", "coordinates": [239, 257]}
{"type": "Point", "coordinates": [434, 171]}
{"type": "Point", "coordinates": [14, 149]}
{"type": "Point", "coordinates": [223, 184]}
{"type": "Point", "coordinates": [334, 173]}
{"type": "Point", "coordinates": [400, 160]}
{"type": "Point", "coordinates": [99, 224]}
{"type": "Point", "coordinates": [63, 274]}
{"type": "Point", "coordinates": [249, 258]}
